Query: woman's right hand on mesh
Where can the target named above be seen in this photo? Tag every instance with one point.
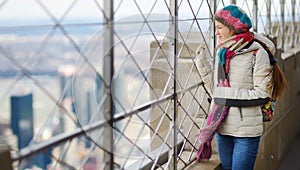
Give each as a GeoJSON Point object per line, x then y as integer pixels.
{"type": "Point", "coordinates": [200, 49]}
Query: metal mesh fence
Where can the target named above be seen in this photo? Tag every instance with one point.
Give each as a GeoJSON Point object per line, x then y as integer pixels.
{"type": "Point", "coordinates": [112, 84]}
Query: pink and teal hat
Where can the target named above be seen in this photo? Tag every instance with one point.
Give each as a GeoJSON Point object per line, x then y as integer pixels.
{"type": "Point", "coordinates": [235, 18]}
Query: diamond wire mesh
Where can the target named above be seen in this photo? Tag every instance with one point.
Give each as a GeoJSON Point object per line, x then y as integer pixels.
{"type": "Point", "coordinates": [297, 20]}
{"type": "Point", "coordinates": [60, 60]}
{"type": "Point", "coordinates": [275, 15]}
{"type": "Point", "coordinates": [263, 25]}
{"type": "Point", "coordinates": [292, 22]}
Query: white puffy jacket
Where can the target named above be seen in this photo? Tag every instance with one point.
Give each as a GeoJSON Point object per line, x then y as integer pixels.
{"type": "Point", "coordinates": [248, 78]}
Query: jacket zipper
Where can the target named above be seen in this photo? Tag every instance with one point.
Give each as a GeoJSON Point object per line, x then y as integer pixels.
{"type": "Point", "coordinates": [241, 114]}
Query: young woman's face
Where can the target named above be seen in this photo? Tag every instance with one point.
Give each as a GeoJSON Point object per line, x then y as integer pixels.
{"type": "Point", "coordinates": [222, 32]}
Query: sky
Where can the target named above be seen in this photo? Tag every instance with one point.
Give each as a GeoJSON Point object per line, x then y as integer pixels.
{"type": "Point", "coordinates": [27, 9]}
{"type": "Point", "coordinates": [32, 9]}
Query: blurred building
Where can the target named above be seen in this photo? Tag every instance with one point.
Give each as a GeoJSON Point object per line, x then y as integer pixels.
{"type": "Point", "coordinates": [66, 74]}
{"type": "Point", "coordinates": [22, 126]}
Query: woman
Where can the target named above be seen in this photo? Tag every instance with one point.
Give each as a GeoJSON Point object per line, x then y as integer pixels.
{"type": "Point", "coordinates": [245, 77]}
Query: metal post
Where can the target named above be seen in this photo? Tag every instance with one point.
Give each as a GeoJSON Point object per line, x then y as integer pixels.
{"type": "Point", "coordinates": [269, 21]}
{"type": "Point", "coordinates": [254, 17]}
{"type": "Point", "coordinates": [282, 24]}
{"type": "Point", "coordinates": [293, 23]}
{"type": "Point", "coordinates": [173, 59]}
{"type": "Point", "coordinates": [298, 30]}
{"type": "Point", "coordinates": [108, 71]}
{"type": "Point", "coordinates": [213, 40]}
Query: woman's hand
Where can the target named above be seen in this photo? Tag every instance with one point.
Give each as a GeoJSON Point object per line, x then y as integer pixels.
{"type": "Point", "coordinates": [200, 49]}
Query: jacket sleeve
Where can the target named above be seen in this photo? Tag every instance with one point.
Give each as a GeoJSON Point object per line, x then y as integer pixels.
{"type": "Point", "coordinates": [242, 97]}
{"type": "Point", "coordinates": [205, 67]}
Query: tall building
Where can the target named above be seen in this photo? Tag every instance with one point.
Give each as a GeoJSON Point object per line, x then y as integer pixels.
{"type": "Point", "coordinates": [22, 126]}
{"type": "Point", "coordinates": [22, 118]}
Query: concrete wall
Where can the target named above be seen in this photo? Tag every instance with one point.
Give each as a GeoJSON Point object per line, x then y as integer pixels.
{"type": "Point", "coordinates": [281, 132]}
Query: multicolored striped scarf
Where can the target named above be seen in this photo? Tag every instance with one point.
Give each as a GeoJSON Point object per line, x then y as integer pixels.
{"type": "Point", "coordinates": [228, 49]}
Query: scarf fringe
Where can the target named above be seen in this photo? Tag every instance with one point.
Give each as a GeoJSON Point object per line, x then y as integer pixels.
{"type": "Point", "coordinates": [204, 152]}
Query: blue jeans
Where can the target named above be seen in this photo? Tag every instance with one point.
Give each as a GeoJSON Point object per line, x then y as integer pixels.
{"type": "Point", "coordinates": [237, 153]}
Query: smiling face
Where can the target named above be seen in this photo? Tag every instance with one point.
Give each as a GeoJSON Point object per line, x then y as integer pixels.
{"type": "Point", "coordinates": [222, 32]}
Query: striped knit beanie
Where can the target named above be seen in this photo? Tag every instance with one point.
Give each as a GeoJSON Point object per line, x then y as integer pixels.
{"type": "Point", "coordinates": [235, 18]}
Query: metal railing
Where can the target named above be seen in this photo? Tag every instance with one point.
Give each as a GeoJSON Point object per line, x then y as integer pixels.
{"type": "Point", "coordinates": [115, 84]}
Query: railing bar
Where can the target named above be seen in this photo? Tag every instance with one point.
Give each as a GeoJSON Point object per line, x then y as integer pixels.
{"type": "Point", "coordinates": [191, 87]}
{"type": "Point", "coordinates": [56, 140]}
{"type": "Point", "coordinates": [146, 106]}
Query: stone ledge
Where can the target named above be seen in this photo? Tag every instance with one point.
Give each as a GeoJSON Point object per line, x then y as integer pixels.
{"type": "Point", "coordinates": [290, 52]}
{"type": "Point", "coordinates": [212, 164]}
